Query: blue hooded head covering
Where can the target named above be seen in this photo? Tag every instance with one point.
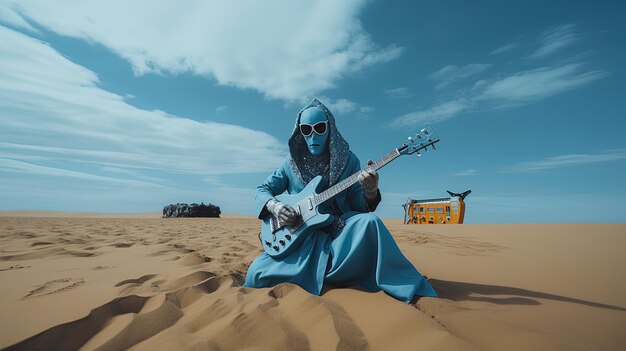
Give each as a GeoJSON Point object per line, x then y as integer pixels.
{"type": "Point", "coordinates": [330, 164]}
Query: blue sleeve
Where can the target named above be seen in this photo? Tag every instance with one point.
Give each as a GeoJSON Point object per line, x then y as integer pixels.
{"type": "Point", "coordinates": [355, 196]}
{"type": "Point", "coordinates": [275, 184]}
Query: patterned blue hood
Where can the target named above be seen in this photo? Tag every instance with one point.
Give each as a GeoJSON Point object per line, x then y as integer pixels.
{"type": "Point", "coordinates": [306, 166]}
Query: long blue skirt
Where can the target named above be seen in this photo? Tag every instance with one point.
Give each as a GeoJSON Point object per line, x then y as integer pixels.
{"type": "Point", "coordinates": [363, 253]}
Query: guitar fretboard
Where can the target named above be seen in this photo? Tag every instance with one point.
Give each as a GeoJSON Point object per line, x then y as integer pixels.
{"type": "Point", "coordinates": [346, 183]}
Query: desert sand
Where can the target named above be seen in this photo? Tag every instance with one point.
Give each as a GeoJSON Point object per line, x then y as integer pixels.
{"type": "Point", "coordinates": [110, 282]}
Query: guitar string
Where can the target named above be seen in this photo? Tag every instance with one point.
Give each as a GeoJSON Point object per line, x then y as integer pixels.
{"type": "Point", "coordinates": [344, 184]}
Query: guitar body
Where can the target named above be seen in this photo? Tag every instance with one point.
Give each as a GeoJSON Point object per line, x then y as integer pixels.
{"type": "Point", "coordinates": [279, 240]}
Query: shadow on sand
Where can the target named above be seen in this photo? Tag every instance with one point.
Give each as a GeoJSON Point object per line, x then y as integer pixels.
{"type": "Point", "coordinates": [459, 291]}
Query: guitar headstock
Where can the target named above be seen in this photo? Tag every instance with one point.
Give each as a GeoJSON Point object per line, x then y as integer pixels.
{"type": "Point", "coordinates": [425, 138]}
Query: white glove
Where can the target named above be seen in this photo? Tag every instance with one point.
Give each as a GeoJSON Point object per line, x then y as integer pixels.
{"type": "Point", "coordinates": [282, 211]}
{"type": "Point", "coordinates": [369, 182]}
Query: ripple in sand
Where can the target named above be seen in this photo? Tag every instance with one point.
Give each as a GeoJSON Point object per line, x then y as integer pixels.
{"type": "Point", "coordinates": [138, 281]}
{"type": "Point", "coordinates": [55, 286]}
{"type": "Point", "coordinates": [17, 266]}
{"type": "Point", "coordinates": [83, 329]}
{"type": "Point", "coordinates": [459, 246]}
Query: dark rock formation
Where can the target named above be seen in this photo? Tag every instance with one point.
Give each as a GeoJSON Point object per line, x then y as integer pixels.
{"type": "Point", "coordinates": [193, 210]}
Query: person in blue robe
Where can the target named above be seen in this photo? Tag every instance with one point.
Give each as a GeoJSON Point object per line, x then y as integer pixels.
{"type": "Point", "coordinates": [357, 249]}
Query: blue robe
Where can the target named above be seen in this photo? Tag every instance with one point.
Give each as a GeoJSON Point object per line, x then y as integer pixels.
{"type": "Point", "coordinates": [361, 253]}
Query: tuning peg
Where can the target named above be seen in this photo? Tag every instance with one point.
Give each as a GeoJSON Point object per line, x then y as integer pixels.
{"type": "Point", "coordinates": [434, 148]}
{"type": "Point", "coordinates": [418, 154]}
{"type": "Point", "coordinates": [410, 140]}
{"type": "Point", "coordinates": [418, 136]}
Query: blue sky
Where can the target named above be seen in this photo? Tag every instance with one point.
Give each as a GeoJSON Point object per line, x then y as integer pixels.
{"type": "Point", "coordinates": [128, 106]}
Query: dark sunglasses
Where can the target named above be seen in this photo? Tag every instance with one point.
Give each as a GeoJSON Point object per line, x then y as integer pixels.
{"type": "Point", "coordinates": [319, 128]}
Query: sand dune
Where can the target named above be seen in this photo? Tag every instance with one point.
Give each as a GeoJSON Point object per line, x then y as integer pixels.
{"type": "Point", "coordinates": [146, 283]}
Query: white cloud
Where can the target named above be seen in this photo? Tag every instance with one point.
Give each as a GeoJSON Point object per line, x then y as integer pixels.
{"type": "Point", "coordinates": [221, 109]}
{"type": "Point", "coordinates": [10, 17]}
{"type": "Point", "coordinates": [41, 191]}
{"type": "Point", "coordinates": [505, 48]}
{"type": "Point", "coordinates": [467, 172]}
{"type": "Point", "coordinates": [131, 173]}
{"type": "Point", "coordinates": [283, 49]}
{"type": "Point", "coordinates": [555, 39]}
{"type": "Point", "coordinates": [54, 111]}
{"type": "Point", "coordinates": [9, 165]}
{"type": "Point", "coordinates": [399, 93]}
{"type": "Point", "coordinates": [339, 106]}
{"type": "Point", "coordinates": [452, 73]}
{"type": "Point", "coordinates": [435, 114]}
{"type": "Point", "coordinates": [344, 106]}
{"type": "Point", "coordinates": [508, 90]}
{"type": "Point", "coordinates": [366, 109]}
{"type": "Point", "coordinates": [517, 89]}
{"type": "Point", "coordinates": [540, 83]}
{"type": "Point", "coordinates": [567, 161]}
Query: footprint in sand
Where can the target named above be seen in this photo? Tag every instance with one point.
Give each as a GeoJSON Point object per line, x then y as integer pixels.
{"type": "Point", "coordinates": [181, 248]}
{"type": "Point", "coordinates": [55, 286]}
{"type": "Point", "coordinates": [195, 258]}
{"type": "Point", "coordinates": [122, 245]}
{"type": "Point", "coordinates": [225, 260]}
{"type": "Point", "coordinates": [37, 243]}
{"type": "Point", "coordinates": [27, 235]}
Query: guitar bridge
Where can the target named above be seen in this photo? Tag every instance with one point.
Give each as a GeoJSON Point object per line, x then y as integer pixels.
{"type": "Point", "coordinates": [274, 224]}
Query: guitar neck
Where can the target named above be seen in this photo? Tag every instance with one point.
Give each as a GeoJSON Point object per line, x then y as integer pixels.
{"type": "Point", "coordinates": [346, 183]}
